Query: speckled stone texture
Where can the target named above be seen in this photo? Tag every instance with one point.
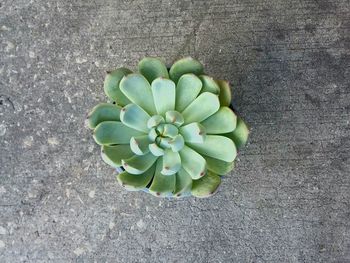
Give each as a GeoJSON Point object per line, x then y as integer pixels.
{"type": "Point", "coordinates": [288, 200]}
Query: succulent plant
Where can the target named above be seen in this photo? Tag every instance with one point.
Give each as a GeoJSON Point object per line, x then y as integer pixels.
{"type": "Point", "coordinates": [172, 131]}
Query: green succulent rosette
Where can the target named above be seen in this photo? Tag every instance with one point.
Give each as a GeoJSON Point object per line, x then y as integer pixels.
{"type": "Point", "coordinates": [172, 131]}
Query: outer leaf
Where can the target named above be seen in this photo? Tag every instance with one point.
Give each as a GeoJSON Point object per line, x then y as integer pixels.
{"type": "Point", "coordinates": [134, 182]}
{"type": "Point", "coordinates": [114, 132]}
{"type": "Point", "coordinates": [206, 186]}
{"type": "Point", "coordinates": [139, 145]}
{"type": "Point", "coordinates": [134, 117]}
{"type": "Point", "coordinates": [216, 146]}
{"type": "Point", "coordinates": [183, 66]}
{"type": "Point", "coordinates": [171, 162]}
{"type": "Point", "coordinates": [183, 183]}
{"type": "Point", "coordinates": [163, 91]}
{"type": "Point", "coordinates": [174, 117]}
{"type": "Point", "coordinates": [152, 68]}
{"type": "Point", "coordinates": [138, 90]}
{"type": "Point", "coordinates": [103, 112]}
{"type": "Point", "coordinates": [201, 108]}
{"type": "Point", "coordinates": [225, 96]}
{"type": "Point", "coordinates": [113, 155]}
{"type": "Point", "coordinates": [111, 85]}
{"type": "Point", "coordinates": [222, 121]}
{"type": "Point", "coordinates": [193, 132]}
{"type": "Point", "coordinates": [192, 162]}
{"type": "Point", "coordinates": [139, 164]}
{"type": "Point", "coordinates": [240, 134]}
{"type": "Point", "coordinates": [209, 85]}
{"type": "Point", "coordinates": [218, 166]}
{"type": "Point", "coordinates": [187, 89]}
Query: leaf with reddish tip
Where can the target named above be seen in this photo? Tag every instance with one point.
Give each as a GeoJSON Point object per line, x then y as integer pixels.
{"type": "Point", "coordinates": [114, 132]}
{"type": "Point", "coordinates": [174, 117]}
{"type": "Point", "coordinates": [111, 85]}
{"type": "Point", "coordinates": [183, 66]}
{"type": "Point", "coordinates": [192, 162]}
{"type": "Point", "coordinates": [183, 183]}
{"type": "Point", "coordinates": [103, 112]}
{"type": "Point", "coordinates": [187, 89]}
{"type": "Point", "coordinates": [152, 68]}
{"type": "Point", "coordinates": [134, 182]}
{"type": "Point", "coordinates": [201, 108]}
{"type": "Point", "coordinates": [206, 186]}
{"type": "Point", "coordinates": [134, 117]}
{"type": "Point", "coordinates": [171, 162]}
{"type": "Point", "coordinates": [193, 132]}
{"type": "Point", "coordinates": [222, 121]}
{"type": "Point", "coordinates": [139, 145]}
{"type": "Point", "coordinates": [216, 146]}
{"type": "Point", "coordinates": [225, 96]}
{"type": "Point", "coordinates": [137, 89]}
{"type": "Point", "coordinates": [138, 164]}
{"type": "Point", "coordinates": [162, 185]}
{"type": "Point", "coordinates": [113, 155]}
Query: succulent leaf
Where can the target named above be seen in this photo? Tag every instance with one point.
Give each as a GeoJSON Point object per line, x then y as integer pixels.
{"type": "Point", "coordinates": [222, 121]}
{"type": "Point", "coordinates": [209, 85]}
{"type": "Point", "coordinates": [225, 96]}
{"type": "Point", "coordinates": [206, 186]}
{"type": "Point", "coordinates": [216, 146]}
{"type": "Point", "coordinates": [170, 130]}
{"type": "Point", "coordinates": [192, 162]}
{"type": "Point", "coordinates": [135, 117]}
{"type": "Point", "coordinates": [196, 112]}
{"type": "Point", "coordinates": [174, 117]}
{"type": "Point", "coordinates": [163, 91]}
{"type": "Point", "coordinates": [240, 134]}
{"type": "Point", "coordinates": [137, 89]}
{"type": "Point", "coordinates": [171, 162]}
{"type": "Point", "coordinates": [218, 166]}
{"type": "Point", "coordinates": [177, 143]}
{"type": "Point", "coordinates": [193, 132]}
{"type": "Point", "coordinates": [187, 89]}
{"type": "Point", "coordinates": [111, 86]}
{"type": "Point", "coordinates": [152, 68]}
{"type": "Point", "coordinates": [156, 150]}
{"type": "Point", "coordinates": [162, 185]}
{"type": "Point", "coordinates": [139, 164]}
{"type": "Point", "coordinates": [183, 66]}
{"type": "Point", "coordinates": [154, 121]}
{"type": "Point", "coordinates": [103, 112]}
{"type": "Point", "coordinates": [113, 155]}
{"type": "Point", "coordinates": [139, 145]}
{"type": "Point", "coordinates": [134, 182]}
{"type": "Point", "coordinates": [114, 132]}
{"type": "Point", "coordinates": [183, 183]}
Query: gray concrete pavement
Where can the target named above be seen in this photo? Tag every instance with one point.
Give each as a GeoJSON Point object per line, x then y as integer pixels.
{"type": "Point", "coordinates": [288, 200]}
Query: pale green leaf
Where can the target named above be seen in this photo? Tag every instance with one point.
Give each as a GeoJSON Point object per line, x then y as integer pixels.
{"type": "Point", "coordinates": [201, 108]}
{"type": "Point", "coordinates": [103, 112]}
{"type": "Point", "coordinates": [222, 121]}
{"type": "Point", "coordinates": [111, 86]}
{"type": "Point", "coordinates": [134, 117]}
{"type": "Point", "coordinates": [138, 164]}
{"type": "Point", "coordinates": [192, 162]}
{"type": "Point", "coordinates": [163, 91]}
{"type": "Point", "coordinates": [183, 66]}
{"type": "Point", "coordinates": [206, 186]}
{"type": "Point", "coordinates": [152, 68]}
{"type": "Point", "coordinates": [187, 89]}
{"type": "Point", "coordinates": [114, 132]}
{"type": "Point", "coordinates": [138, 90]}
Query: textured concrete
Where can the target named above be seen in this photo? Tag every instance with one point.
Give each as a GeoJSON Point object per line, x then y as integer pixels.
{"type": "Point", "coordinates": [288, 200]}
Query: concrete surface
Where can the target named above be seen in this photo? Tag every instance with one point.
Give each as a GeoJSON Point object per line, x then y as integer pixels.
{"type": "Point", "coordinates": [288, 200]}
